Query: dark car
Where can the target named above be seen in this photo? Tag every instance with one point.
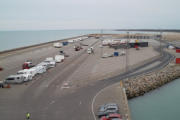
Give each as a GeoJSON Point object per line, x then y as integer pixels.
{"type": "Point", "coordinates": [107, 109]}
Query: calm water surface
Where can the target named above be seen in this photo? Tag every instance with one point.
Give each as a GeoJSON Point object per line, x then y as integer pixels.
{"type": "Point", "coordinates": [160, 104]}
{"type": "Point", "coordinates": [15, 39]}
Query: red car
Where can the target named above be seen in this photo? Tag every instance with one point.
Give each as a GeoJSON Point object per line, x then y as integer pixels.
{"type": "Point", "coordinates": [27, 65]}
{"type": "Point", "coordinates": [114, 116]}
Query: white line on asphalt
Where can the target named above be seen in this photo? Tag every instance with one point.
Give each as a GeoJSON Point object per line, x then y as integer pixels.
{"type": "Point", "coordinates": [52, 102]}
{"type": "Point", "coordinates": [92, 105]}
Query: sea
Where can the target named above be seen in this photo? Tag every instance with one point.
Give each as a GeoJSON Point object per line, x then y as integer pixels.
{"type": "Point", "coordinates": [15, 39]}
{"type": "Point", "coordinates": [160, 104]}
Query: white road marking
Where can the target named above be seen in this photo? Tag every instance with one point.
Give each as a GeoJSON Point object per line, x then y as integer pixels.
{"type": "Point", "coordinates": [52, 102]}
{"type": "Point", "coordinates": [92, 105]}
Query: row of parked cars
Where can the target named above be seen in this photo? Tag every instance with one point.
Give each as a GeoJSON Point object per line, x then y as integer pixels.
{"type": "Point", "coordinates": [29, 71]}
{"type": "Point", "coordinates": [109, 111]}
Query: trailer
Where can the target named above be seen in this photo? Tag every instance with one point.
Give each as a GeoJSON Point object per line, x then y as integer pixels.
{"type": "Point", "coordinates": [58, 45]}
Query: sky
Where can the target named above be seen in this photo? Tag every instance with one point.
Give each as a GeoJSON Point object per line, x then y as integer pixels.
{"type": "Point", "coordinates": [89, 14]}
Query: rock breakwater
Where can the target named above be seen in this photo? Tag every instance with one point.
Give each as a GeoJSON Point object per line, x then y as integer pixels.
{"type": "Point", "coordinates": [140, 85]}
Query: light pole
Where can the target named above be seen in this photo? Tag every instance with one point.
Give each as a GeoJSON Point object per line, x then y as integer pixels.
{"type": "Point", "coordinates": [101, 38]}
{"type": "Point", "coordinates": [160, 42]}
{"type": "Point", "coordinates": [127, 44]}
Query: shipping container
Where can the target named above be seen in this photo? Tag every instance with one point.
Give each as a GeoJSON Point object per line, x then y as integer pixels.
{"type": "Point", "coordinates": [177, 60]}
{"type": "Point", "coordinates": [177, 50]}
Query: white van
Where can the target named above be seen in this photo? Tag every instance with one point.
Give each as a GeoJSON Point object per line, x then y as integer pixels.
{"type": "Point", "coordinates": [26, 73]}
{"type": "Point", "coordinates": [59, 58]}
{"type": "Point", "coordinates": [12, 79]}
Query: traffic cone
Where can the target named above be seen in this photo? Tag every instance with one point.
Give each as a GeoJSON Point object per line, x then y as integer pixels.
{"type": "Point", "coordinates": [8, 86]}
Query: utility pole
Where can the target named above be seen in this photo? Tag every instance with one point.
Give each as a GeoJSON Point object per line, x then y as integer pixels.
{"type": "Point", "coordinates": [160, 42]}
{"type": "Point", "coordinates": [127, 45]}
{"type": "Point", "coordinates": [101, 38]}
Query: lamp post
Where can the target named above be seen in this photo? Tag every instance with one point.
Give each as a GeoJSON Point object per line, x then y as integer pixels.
{"type": "Point", "coordinates": [127, 44]}
{"type": "Point", "coordinates": [101, 38]}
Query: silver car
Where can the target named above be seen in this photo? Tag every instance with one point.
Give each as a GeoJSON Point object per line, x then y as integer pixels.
{"type": "Point", "coordinates": [106, 109]}
{"type": "Point", "coordinates": [12, 79]}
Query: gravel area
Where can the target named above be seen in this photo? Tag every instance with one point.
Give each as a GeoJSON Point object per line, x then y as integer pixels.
{"type": "Point", "coordinates": [97, 68]}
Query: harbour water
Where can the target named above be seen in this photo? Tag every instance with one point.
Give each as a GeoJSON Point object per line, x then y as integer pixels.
{"type": "Point", "coordinates": [160, 104]}
{"type": "Point", "coordinates": [16, 39]}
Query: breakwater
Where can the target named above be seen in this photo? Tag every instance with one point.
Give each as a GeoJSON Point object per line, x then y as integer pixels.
{"type": "Point", "coordinates": [140, 85]}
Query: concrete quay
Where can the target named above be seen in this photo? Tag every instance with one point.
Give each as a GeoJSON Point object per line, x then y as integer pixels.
{"type": "Point", "coordinates": [45, 98]}
{"type": "Point", "coordinates": [112, 94]}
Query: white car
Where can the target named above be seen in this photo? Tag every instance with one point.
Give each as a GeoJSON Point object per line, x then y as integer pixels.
{"type": "Point", "coordinates": [50, 61]}
{"type": "Point", "coordinates": [59, 58]}
{"type": "Point", "coordinates": [33, 71]}
{"type": "Point", "coordinates": [44, 64]}
{"type": "Point", "coordinates": [26, 73]}
{"type": "Point", "coordinates": [40, 69]}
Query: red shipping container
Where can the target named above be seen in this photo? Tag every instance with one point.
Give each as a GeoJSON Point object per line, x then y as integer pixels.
{"type": "Point", "coordinates": [177, 60]}
{"type": "Point", "coordinates": [177, 50]}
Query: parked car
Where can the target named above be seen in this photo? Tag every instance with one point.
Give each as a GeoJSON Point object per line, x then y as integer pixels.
{"type": "Point", "coordinates": [27, 65]}
{"type": "Point", "coordinates": [45, 64]}
{"type": "Point", "coordinates": [114, 116]}
{"type": "Point", "coordinates": [12, 79]}
{"type": "Point", "coordinates": [107, 109]}
{"type": "Point", "coordinates": [59, 58]}
{"type": "Point", "coordinates": [39, 69]}
{"type": "Point", "coordinates": [27, 75]}
{"type": "Point", "coordinates": [50, 61]}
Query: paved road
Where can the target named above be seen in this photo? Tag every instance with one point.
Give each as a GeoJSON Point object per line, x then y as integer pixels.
{"type": "Point", "coordinates": [45, 99]}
